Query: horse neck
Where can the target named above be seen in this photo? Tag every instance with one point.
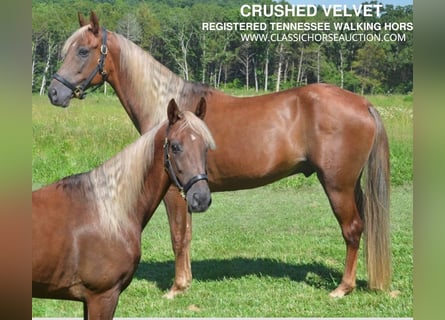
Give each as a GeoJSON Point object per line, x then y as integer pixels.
{"type": "Point", "coordinates": [156, 183]}
{"type": "Point", "coordinates": [127, 188]}
{"type": "Point", "coordinates": [144, 86]}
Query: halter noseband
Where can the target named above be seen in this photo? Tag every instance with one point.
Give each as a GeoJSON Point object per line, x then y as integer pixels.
{"type": "Point", "coordinates": [79, 91]}
{"type": "Point", "coordinates": [169, 168]}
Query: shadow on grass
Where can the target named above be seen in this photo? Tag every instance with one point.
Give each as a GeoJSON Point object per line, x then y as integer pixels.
{"type": "Point", "coordinates": [314, 274]}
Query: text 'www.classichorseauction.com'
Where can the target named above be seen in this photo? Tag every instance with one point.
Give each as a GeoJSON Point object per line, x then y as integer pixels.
{"type": "Point", "coordinates": [305, 31]}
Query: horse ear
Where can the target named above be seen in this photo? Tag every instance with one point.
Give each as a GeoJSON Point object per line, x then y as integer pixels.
{"type": "Point", "coordinates": [173, 112]}
{"type": "Point", "coordinates": [94, 21]}
{"type": "Point", "coordinates": [201, 108]}
{"type": "Point", "coordinates": [82, 21]}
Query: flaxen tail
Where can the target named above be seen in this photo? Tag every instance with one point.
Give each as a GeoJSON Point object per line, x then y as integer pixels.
{"type": "Point", "coordinates": [376, 210]}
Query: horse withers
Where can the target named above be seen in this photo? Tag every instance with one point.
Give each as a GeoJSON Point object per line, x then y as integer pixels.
{"type": "Point", "coordinates": [86, 228]}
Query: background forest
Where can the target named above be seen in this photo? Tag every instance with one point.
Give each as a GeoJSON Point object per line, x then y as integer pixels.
{"type": "Point", "coordinates": [171, 31]}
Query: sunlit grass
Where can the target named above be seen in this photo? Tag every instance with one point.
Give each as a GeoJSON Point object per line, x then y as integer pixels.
{"type": "Point", "coordinates": [262, 253]}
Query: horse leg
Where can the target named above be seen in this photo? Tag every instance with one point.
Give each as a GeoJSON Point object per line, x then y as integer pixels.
{"type": "Point", "coordinates": [101, 306]}
{"type": "Point", "coordinates": [181, 235]}
{"type": "Point", "coordinates": [345, 202]}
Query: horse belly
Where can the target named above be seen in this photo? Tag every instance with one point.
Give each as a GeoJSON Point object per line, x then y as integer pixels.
{"type": "Point", "coordinates": [272, 156]}
{"type": "Point", "coordinates": [259, 143]}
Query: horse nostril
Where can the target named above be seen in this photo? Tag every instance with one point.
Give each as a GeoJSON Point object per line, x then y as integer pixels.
{"type": "Point", "coordinates": [199, 202]}
{"type": "Point", "coordinates": [196, 199]}
{"type": "Point", "coordinates": [52, 93]}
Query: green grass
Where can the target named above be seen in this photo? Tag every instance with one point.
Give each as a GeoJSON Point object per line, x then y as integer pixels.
{"type": "Point", "coordinates": [397, 115]}
{"type": "Point", "coordinates": [61, 136]}
{"type": "Point", "coordinates": [262, 253]}
{"type": "Point", "coordinates": [65, 139]}
{"type": "Point", "coordinates": [274, 251]}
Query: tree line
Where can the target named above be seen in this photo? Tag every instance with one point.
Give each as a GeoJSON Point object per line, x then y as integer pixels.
{"type": "Point", "coordinates": [171, 30]}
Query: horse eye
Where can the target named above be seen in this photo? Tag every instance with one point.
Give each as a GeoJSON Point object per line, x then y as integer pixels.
{"type": "Point", "coordinates": [83, 52]}
{"type": "Point", "coordinates": [176, 148]}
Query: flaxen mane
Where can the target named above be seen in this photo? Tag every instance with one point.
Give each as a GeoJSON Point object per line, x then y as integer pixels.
{"type": "Point", "coordinates": [153, 83]}
{"type": "Point", "coordinates": [150, 80]}
{"type": "Point", "coordinates": [116, 185]}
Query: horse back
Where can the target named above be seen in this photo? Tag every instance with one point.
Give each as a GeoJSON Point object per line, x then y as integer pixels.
{"type": "Point", "coordinates": [264, 138]}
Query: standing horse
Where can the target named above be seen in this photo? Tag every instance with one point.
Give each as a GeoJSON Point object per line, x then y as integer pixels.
{"type": "Point", "coordinates": [318, 129]}
{"type": "Point", "coordinates": [86, 228]}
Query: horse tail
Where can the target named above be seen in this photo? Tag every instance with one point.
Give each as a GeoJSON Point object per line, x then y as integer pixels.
{"type": "Point", "coordinates": [376, 209]}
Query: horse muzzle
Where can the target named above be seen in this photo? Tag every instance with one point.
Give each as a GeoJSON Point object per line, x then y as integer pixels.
{"type": "Point", "coordinates": [199, 198]}
{"type": "Point", "coordinates": [59, 95]}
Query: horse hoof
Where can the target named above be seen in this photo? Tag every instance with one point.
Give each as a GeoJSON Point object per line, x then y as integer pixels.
{"type": "Point", "coordinates": [340, 291]}
{"type": "Point", "coordinates": [337, 293]}
{"type": "Point", "coordinates": [172, 293]}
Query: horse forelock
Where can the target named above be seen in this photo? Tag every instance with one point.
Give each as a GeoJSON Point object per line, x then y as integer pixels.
{"type": "Point", "coordinates": [119, 182]}
{"type": "Point", "coordinates": [199, 127]}
{"type": "Point", "coordinates": [79, 33]}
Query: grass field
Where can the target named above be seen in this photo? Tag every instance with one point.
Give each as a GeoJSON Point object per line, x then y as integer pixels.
{"type": "Point", "coordinates": [274, 251]}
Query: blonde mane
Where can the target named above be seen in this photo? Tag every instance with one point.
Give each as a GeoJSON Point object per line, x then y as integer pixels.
{"type": "Point", "coordinates": [153, 83]}
{"type": "Point", "coordinates": [116, 185]}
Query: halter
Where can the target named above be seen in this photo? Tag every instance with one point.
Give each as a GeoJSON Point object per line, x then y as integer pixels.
{"type": "Point", "coordinates": [169, 168]}
{"type": "Point", "coordinates": [79, 91]}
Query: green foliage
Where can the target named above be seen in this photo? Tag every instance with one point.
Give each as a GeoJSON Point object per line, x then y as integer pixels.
{"type": "Point", "coordinates": [367, 67]}
{"type": "Point", "coordinates": [171, 31]}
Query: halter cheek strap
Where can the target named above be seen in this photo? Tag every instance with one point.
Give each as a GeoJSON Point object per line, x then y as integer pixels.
{"type": "Point", "coordinates": [79, 90]}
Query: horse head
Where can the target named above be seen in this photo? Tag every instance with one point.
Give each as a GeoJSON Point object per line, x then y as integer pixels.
{"type": "Point", "coordinates": [84, 65]}
{"type": "Point", "coordinates": [185, 154]}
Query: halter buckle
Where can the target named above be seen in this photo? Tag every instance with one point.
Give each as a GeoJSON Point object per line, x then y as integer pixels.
{"type": "Point", "coordinates": [104, 49]}
{"type": "Point", "coordinates": [78, 93]}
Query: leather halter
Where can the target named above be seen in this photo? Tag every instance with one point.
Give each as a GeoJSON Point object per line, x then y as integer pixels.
{"type": "Point", "coordinates": [79, 90]}
{"type": "Point", "coordinates": [169, 168]}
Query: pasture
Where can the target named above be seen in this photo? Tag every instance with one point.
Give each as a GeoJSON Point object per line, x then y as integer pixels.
{"type": "Point", "coordinates": [274, 251]}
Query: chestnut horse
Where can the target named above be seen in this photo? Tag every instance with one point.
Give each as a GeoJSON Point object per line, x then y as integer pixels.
{"type": "Point", "coordinates": [319, 129]}
{"type": "Point", "coordinates": [86, 228]}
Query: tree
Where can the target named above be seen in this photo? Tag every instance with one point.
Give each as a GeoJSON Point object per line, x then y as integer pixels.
{"type": "Point", "coordinates": [367, 66]}
{"type": "Point", "coordinates": [244, 56]}
{"type": "Point", "coordinates": [171, 31]}
{"type": "Point", "coordinates": [177, 33]}
{"type": "Point", "coordinates": [150, 27]}
{"type": "Point", "coordinates": [128, 26]}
